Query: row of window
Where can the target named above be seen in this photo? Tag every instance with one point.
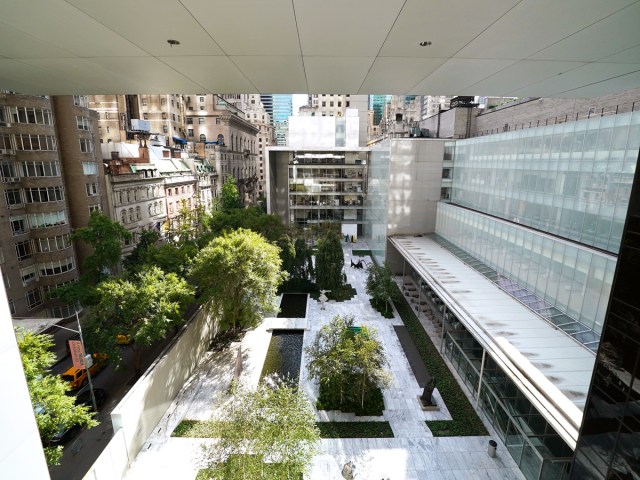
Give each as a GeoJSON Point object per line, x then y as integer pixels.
{"type": "Point", "coordinates": [9, 169]}
{"type": "Point", "coordinates": [38, 143]}
{"type": "Point", "coordinates": [45, 269]}
{"type": "Point", "coordinates": [21, 223]}
{"type": "Point", "coordinates": [37, 116]}
{"type": "Point", "coordinates": [83, 123]}
{"type": "Point", "coordinates": [135, 194]}
{"type": "Point", "coordinates": [179, 190]}
{"type": "Point", "coordinates": [26, 248]}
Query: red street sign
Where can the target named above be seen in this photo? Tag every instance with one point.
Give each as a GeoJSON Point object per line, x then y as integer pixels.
{"type": "Point", "coordinates": [77, 354]}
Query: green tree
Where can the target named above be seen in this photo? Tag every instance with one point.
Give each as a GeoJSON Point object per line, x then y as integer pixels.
{"type": "Point", "coordinates": [329, 262]}
{"type": "Point", "coordinates": [144, 309]}
{"type": "Point", "coordinates": [144, 251]}
{"type": "Point", "coordinates": [348, 362]}
{"type": "Point", "coordinates": [106, 237]}
{"type": "Point", "coordinates": [303, 264]}
{"type": "Point", "coordinates": [270, 227]}
{"type": "Point", "coordinates": [380, 286]}
{"type": "Point", "coordinates": [230, 196]}
{"type": "Point", "coordinates": [238, 274]}
{"type": "Point", "coordinates": [287, 254]}
{"type": "Point", "coordinates": [54, 409]}
{"type": "Point", "coordinates": [269, 433]}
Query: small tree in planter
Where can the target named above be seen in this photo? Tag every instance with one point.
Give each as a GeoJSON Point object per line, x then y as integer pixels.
{"type": "Point", "coordinates": [381, 288]}
{"type": "Point", "coordinates": [349, 362]}
{"type": "Point", "coordinates": [269, 433]}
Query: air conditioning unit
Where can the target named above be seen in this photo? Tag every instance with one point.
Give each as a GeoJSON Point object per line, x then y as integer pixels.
{"type": "Point", "coordinates": [7, 151]}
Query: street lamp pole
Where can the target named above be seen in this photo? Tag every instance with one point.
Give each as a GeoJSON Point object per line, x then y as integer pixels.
{"type": "Point", "coordinates": [79, 332]}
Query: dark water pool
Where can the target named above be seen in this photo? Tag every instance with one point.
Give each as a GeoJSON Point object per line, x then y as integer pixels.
{"type": "Point", "coordinates": [293, 305]}
{"type": "Point", "coordinates": [284, 354]}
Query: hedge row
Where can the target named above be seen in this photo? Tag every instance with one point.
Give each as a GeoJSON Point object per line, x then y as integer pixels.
{"type": "Point", "coordinates": [203, 429]}
{"type": "Point", "coordinates": [465, 419]}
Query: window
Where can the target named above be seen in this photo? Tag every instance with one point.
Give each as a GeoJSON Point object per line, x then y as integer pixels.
{"type": "Point", "coordinates": [18, 224]}
{"type": "Point", "coordinates": [55, 267]}
{"type": "Point", "coordinates": [339, 104]}
{"type": "Point", "coordinates": [218, 121]}
{"type": "Point", "coordinates": [51, 244]}
{"type": "Point", "coordinates": [83, 123]}
{"type": "Point", "coordinates": [86, 145]}
{"type": "Point", "coordinates": [165, 129]}
{"type": "Point", "coordinates": [40, 169]}
{"type": "Point", "coordinates": [123, 216]}
{"type": "Point", "coordinates": [47, 219]}
{"type": "Point", "coordinates": [5, 142]}
{"type": "Point", "coordinates": [13, 197]}
{"type": "Point", "coordinates": [90, 168]}
{"type": "Point", "coordinates": [31, 115]}
{"type": "Point", "coordinates": [190, 132]}
{"type": "Point", "coordinates": [202, 99]}
{"type": "Point", "coordinates": [145, 116]}
{"type": "Point", "coordinates": [138, 213]}
{"type": "Point", "coordinates": [182, 189]}
{"type": "Point", "coordinates": [80, 100]}
{"type": "Point", "coordinates": [94, 208]}
{"type": "Point", "coordinates": [331, 104]}
{"type": "Point", "coordinates": [23, 250]}
{"type": "Point", "coordinates": [131, 214]}
{"type": "Point", "coordinates": [8, 170]}
{"type": "Point", "coordinates": [169, 192]}
{"type": "Point", "coordinates": [201, 107]}
{"type": "Point", "coordinates": [28, 275]}
{"type": "Point", "coordinates": [164, 115]}
{"type": "Point", "coordinates": [189, 120]}
{"type": "Point", "coordinates": [173, 117]}
{"type": "Point", "coordinates": [144, 102]}
{"type": "Point", "coordinates": [201, 121]}
{"type": "Point", "coordinates": [92, 189]}
{"type": "Point", "coordinates": [347, 104]}
{"type": "Point", "coordinates": [43, 194]}
{"type": "Point", "coordinates": [35, 142]}
{"type": "Point", "coordinates": [34, 298]}
{"type": "Point", "coordinates": [163, 101]}
{"type": "Point", "coordinates": [7, 283]}
{"type": "Point", "coordinates": [171, 208]}
{"type": "Point", "coordinates": [324, 104]}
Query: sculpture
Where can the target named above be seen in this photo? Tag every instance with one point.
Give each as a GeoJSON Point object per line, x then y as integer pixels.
{"type": "Point", "coordinates": [426, 397]}
{"type": "Point", "coordinates": [323, 298]}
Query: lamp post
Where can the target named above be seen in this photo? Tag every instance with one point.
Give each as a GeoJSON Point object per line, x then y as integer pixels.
{"type": "Point", "coordinates": [84, 351]}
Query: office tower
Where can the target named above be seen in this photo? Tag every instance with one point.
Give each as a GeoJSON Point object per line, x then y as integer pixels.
{"type": "Point", "coordinates": [431, 105]}
{"type": "Point", "coordinates": [377, 105]}
{"type": "Point", "coordinates": [46, 145]}
{"type": "Point", "coordinates": [321, 175]}
{"type": "Point", "coordinates": [282, 109]}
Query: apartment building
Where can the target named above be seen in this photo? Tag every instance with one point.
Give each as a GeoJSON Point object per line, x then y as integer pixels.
{"type": "Point", "coordinates": [46, 145]}
{"type": "Point", "coordinates": [257, 114]}
{"type": "Point", "coordinates": [211, 120]}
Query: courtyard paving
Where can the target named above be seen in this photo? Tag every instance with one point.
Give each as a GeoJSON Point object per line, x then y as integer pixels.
{"type": "Point", "coordinates": [413, 454]}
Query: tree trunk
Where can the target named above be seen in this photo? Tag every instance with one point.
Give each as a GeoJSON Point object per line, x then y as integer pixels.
{"type": "Point", "coordinates": [137, 351]}
{"type": "Point", "coordinates": [362, 392]}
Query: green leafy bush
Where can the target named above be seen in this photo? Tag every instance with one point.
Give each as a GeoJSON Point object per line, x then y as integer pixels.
{"type": "Point", "coordinates": [355, 430]}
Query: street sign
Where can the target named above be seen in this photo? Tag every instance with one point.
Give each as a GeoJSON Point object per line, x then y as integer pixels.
{"type": "Point", "coordinates": [77, 354]}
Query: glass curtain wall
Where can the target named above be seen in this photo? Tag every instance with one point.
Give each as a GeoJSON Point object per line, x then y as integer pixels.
{"type": "Point", "coordinates": [571, 179]}
{"type": "Point", "coordinates": [377, 200]}
{"type": "Point", "coordinates": [574, 279]}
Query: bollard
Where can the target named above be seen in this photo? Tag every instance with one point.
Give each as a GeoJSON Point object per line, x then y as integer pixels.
{"type": "Point", "coordinates": [491, 450]}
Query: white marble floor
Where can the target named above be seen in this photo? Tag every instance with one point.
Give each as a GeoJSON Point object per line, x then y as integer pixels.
{"type": "Point", "coordinates": [413, 454]}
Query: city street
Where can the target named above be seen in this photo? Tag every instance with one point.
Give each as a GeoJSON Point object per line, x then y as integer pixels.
{"type": "Point", "coordinates": [83, 450]}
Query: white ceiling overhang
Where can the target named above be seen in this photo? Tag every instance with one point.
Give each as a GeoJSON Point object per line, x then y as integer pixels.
{"type": "Point", "coordinates": [568, 48]}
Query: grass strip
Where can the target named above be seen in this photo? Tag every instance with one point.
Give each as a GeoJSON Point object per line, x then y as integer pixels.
{"type": "Point", "coordinates": [465, 419]}
{"type": "Point", "coordinates": [204, 429]}
{"type": "Point", "coordinates": [361, 253]}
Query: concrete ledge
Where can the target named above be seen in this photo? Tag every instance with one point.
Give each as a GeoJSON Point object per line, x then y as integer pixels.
{"type": "Point", "coordinates": [428, 408]}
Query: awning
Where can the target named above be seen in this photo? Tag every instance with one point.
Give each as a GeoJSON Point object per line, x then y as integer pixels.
{"type": "Point", "coordinates": [179, 140]}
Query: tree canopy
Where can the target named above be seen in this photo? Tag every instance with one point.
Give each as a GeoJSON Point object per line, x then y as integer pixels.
{"type": "Point", "coordinates": [329, 262]}
{"type": "Point", "coordinates": [270, 227]}
{"type": "Point", "coordinates": [144, 309]}
{"type": "Point", "coordinates": [269, 433]}
{"type": "Point", "coordinates": [238, 274]}
{"type": "Point", "coordinates": [54, 409]}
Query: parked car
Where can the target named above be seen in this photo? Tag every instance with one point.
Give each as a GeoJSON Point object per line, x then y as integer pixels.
{"type": "Point", "coordinates": [84, 397]}
{"type": "Point", "coordinates": [64, 435]}
{"type": "Point", "coordinates": [77, 377]}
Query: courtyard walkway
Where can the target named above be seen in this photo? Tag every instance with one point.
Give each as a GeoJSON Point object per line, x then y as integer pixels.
{"type": "Point", "coordinates": [413, 454]}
